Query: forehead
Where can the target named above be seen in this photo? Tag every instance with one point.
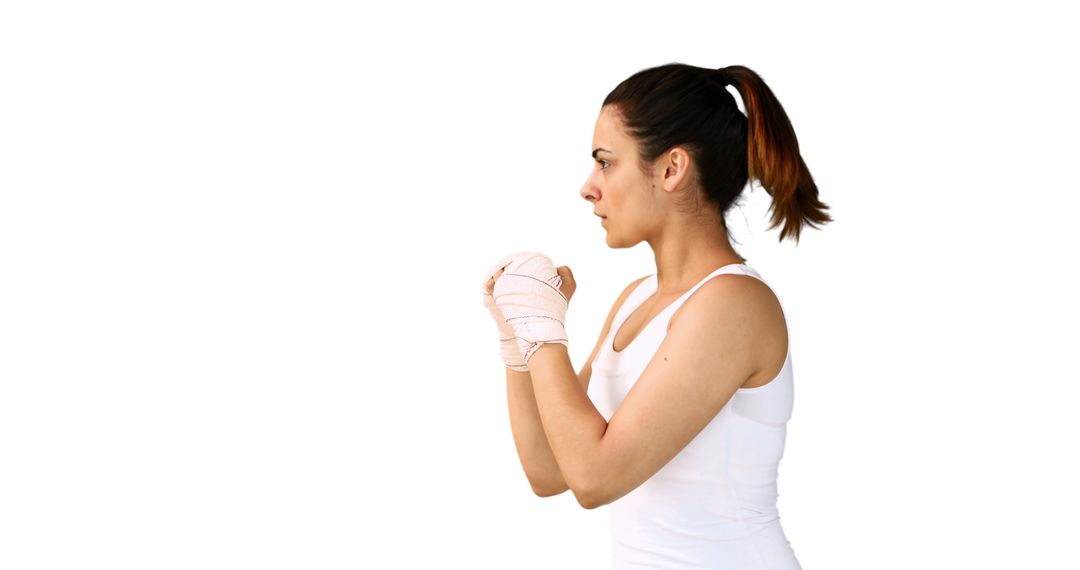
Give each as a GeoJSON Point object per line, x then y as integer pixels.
{"type": "Point", "coordinates": [609, 132]}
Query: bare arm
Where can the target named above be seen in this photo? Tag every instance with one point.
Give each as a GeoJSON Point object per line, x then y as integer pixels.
{"type": "Point", "coordinates": [709, 351]}
{"type": "Point", "coordinates": [532, 445]}
{"type": "Point", "coordinates": [530, 439]}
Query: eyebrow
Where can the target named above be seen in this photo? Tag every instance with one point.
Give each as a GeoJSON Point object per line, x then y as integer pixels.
{"type": "Point", "coordinates": [598, 149]}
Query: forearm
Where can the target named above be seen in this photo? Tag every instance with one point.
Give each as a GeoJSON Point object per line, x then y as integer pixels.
{"type": "Point", "coordinates": [573, 425]}
{"type": "Point", "coordinates": [531, 441]}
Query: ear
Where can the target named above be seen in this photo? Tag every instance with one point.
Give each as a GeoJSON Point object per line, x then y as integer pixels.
{"type": "Point", "coordinates": [676, 165]}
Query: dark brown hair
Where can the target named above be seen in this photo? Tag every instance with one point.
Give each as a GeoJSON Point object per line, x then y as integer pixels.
{"type": "Point", "coordinates": [684, 105]}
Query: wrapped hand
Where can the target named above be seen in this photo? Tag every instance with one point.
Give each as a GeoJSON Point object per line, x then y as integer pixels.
{"type": "Point", "coordinates": [508, 344]}
{"type": "Point", "coordinates": [529, 296]}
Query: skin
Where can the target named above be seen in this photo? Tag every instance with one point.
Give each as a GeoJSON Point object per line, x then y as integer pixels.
{"type": "Point", "coordinates": [731, 335]}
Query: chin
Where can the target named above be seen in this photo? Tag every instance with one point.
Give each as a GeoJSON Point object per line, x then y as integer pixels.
{"type": "Point", "coordinates": [614, 244]}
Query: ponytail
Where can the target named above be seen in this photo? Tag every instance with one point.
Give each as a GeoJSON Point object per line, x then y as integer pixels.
{"type": "Point", "coordinates": [773, 156]}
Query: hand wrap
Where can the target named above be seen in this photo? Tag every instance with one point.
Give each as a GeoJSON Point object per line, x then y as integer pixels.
{"type": "Point", "coordinates": [508, 345]}
{"type": "Point", "coordinates": [528, 296]}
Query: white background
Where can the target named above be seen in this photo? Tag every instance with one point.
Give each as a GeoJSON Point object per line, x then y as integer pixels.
{"type": "Point", "coordinates": [241, 247]}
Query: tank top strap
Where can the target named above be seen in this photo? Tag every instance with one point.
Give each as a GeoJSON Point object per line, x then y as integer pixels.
{"type": "Point", "coordinates": [747, 270]}
{"type": "Point", "coordinates": [633, 300]}
{"type": "Point", "coordinates": [736, 268]}
{"type": "Point", "coordinates": [648, 287]}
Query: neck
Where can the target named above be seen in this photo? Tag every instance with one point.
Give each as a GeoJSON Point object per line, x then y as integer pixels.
{"type": "Point", "coordinates": [685, 254]}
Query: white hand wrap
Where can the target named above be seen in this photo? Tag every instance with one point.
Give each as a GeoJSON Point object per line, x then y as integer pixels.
{"type": "Point", "coordinates": [508, 346]}
{"type": "Point", "coordinates": [527, 293]}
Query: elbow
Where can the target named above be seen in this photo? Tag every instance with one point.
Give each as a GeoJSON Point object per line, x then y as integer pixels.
{"type": "Point", "coordinates": [546, 490]}
{"type": "Point", "coordinates": [588, 488]}
{"type": "Point", "coordinates": [585, 497]}
{"type": "Point", "coordinates": [589, 497]}
{"type": "Point", "coordinates": [587, 501]}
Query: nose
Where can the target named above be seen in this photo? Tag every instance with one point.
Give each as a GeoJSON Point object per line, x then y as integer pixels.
{"type": "Point", "coordinates": [589, 192]}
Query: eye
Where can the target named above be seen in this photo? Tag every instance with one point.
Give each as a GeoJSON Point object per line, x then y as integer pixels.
{"type": "Point", "coordinates": [603, 164]}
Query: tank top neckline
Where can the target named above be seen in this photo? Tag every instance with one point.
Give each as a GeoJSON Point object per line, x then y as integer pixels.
{"type": "Point", "coordinates": [651, 280]}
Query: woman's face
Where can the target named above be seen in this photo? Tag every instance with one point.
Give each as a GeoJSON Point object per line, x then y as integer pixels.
{"type": "Point", "coordinates": [616, 186]}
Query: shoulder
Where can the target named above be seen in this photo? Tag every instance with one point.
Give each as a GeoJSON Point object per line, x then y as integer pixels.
{"type": "Point", "coordinates": [735, 289]}
{"type": "Point", "coordinates": [743, 300]}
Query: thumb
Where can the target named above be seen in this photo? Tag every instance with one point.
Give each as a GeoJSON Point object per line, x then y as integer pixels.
{"type": "Point", "coordinates": [568, 283]}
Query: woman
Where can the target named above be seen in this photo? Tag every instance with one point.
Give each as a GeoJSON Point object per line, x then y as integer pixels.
{"type": "Point", "coordinates": [678, 418]}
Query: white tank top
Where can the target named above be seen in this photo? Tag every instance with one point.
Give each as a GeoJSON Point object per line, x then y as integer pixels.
{"type": "Point", "coordinates": [714, 504]}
